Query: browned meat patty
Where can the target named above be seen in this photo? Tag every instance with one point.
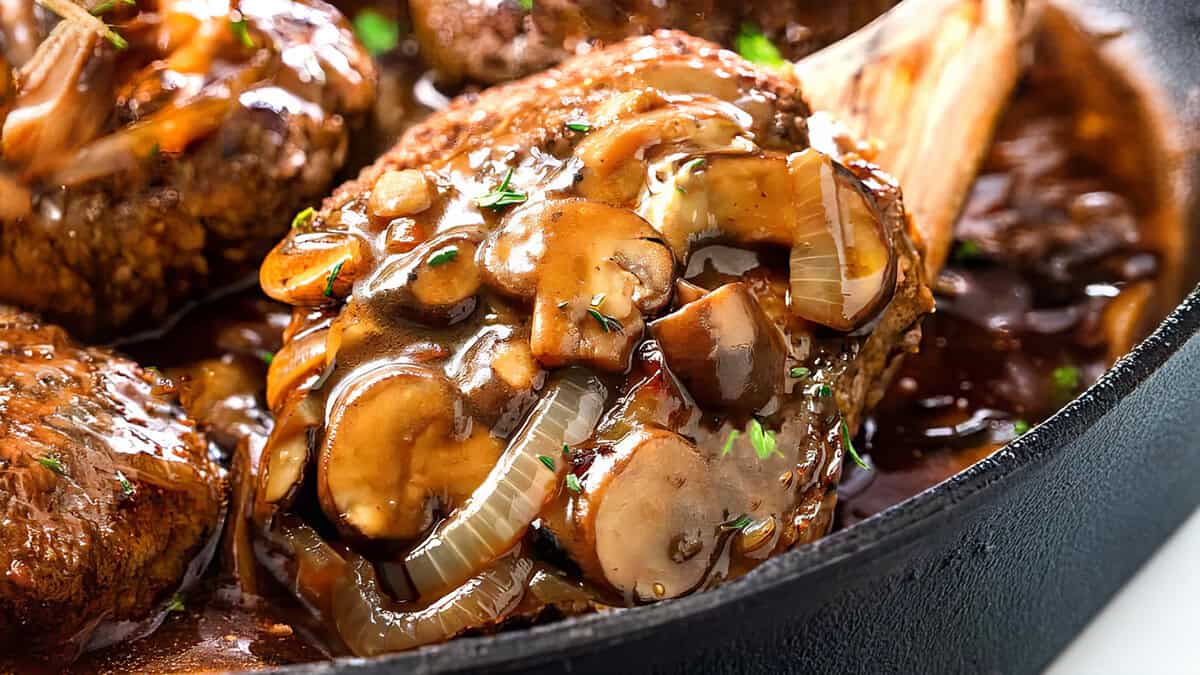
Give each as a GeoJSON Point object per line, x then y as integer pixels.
{"type": "Point", "coordinates": [497, 41]}
{"type": "Point", "coordinates": [108, 501]}
{"type": "Point", "coordinates": [134, 178]}
{"type": "Point", "coordinates": [630, 285]}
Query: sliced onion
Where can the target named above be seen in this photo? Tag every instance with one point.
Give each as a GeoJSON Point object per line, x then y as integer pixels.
{"type": "Point", "coordinates": [296, 361]}
{"type": "Point", "coordinates": [842, 262]}
{"type": "Point", "coordinates": [369, 627]}
{"type": "Point", "coordinates": [500, 510]}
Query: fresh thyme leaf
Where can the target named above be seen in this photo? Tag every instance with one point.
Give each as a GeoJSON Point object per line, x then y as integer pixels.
{"type": "Point", "coordinates": [566, 450]}
{"type": "Point", "coordinates": [502, 195]}
{"type": "Point", "coordinates": [581, 127]}
{"type": "Point", "coordinates": [443, 256]}
{"type": "Point", "coordinates": [728, 447]}
{"type": "Point", "coordinates": [240, 30]}
{"type": "Point", "coordinates": [607, 323]}
{"type": "Point", "coordinates": [967, 250]}
{"type": "Point", "coordinates": [155, 150]}
{"type": "Point", "coordinates": [850, 447]}
{"type": "Point", "coordinates": [104, 7]}
{"type": "Point", "coordinates": [1020, 427]}
{"type": "Point", "coordinates": [526, 5]}
{"type": "Point", "coordinates": [1066, 378]}
{"type": "Point", "coordinates": [117, 41]}
{"type": "Point", "coordinates": [692, 164]}
{"type": "Point", "coordinates": [756, 47]}
{"type": "Point", "coordinates": [799, 372]}
{"type": "Point", "coordinates": [573, 484]}
{"type": "Point", "coordinates": [761, 439]}
{"type": "Point", "coordinates": [333, 275]}
{"type": "Point", "coordinates": [53, 463]}
{"type": "Point", "coordinates": [547, 461]}
{"type": "Point", "coordinates": [377, 33]}
{"type": "Point", "coordinates": [176, 604]}
{"type": "Point", "coordinates": [737, 524]}
{"type": "Point", "coordinates": [303, 218]}
{"type": "Point", "coordinates": [821, 391]}
{"type": "Point", "coordinates": [126, 486]}
{"type": "Point", "coordinates": [268, 357]}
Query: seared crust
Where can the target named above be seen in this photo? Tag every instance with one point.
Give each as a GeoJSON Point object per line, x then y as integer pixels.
{"type": "Point", "coordinates": [106, 491]}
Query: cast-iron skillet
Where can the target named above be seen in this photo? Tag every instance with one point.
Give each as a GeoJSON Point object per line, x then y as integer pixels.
{"type": "Point", "coordinates": [994, 570]}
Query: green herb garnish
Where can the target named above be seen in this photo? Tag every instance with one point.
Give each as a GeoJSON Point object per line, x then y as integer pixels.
{"type": "Point", "coordinates": [548, 461]}
{"type": "Point", "coordinates": [333, 275]}
{"type": "Point", "coordinates": [850, 447]}
{"type": "Point", "coordinates": [240, 30]}
{"type": "Point", "coordinates": [443, 256]}
{"type": "Point", "coordinates": [728, 447]}
{"type": "Point", "coordinates": [176, 604]}
{"type": "Point", "coordinates": [53, 463]}
{"type": "Point", "coordinates": [607, 323]}
{"type": "Point", "coordinates": [117, 41]}
{"type": "Point", "coordinates": [756, 47]}
{"type": "Point", "coordinates": [126, 486]}
{"type": "Point", "coordinates": [1066, 378]}
{"type": "Point", "coordinates": [267, 357]}
{"type": "Point", "coordinates": [1020, 427]}
{"type": "Point", "coordinates": [526, 5]}
{"type": "Point", "coordinates": [821, 391]}
{"type": "Point", "coordinates": [762, 440]}
{"type": "Point", "coordinates": [502, 195]}
{"type": "Point", "coordinates": [737, 524]}
{"type": "Point", "coordinates": [109, 5]}
{"type": "Point", "coordinates": [573, 483]}
{"type": "Point", "coordinates": [581, 127]}
{"type": "Point", "coordinates": [303, 218]}
{"type": "Point", "coordinates": [692, 164]}
{"type": "Point", "coordinates": [377, 33]}
{"type": "Point", "coordinates": [799, 372]}
{"type": "Point", "coordinates": [967, 250]}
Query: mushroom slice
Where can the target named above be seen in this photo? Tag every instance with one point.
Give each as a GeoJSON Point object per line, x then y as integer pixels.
{"type": "Point", "coordinates": [592, 272]}
{"type": "Point", "coordinates": [436, 283]}
{"type": "Point", "coordinates": [286, 454]}
{"type": "Point", "coordinates": [724, 349]}
{"type": "Point", "coordinates": [842, 265]}
{"type": "Point", "coordinates": [315, 267]}
{"type": "Point", "coordinates": [398, 450]}
{"type": "Point", "coordinates": [296, 361]}
{"type": "Point", "coordinates": [499, 377]}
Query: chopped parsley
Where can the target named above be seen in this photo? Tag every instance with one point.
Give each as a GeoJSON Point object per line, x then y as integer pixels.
{"type": "Point", "coordinates": [821, 391]}
{"type": "Point", "coordinates": [756, 47]}
{"type": "Point", "coordinates": [303, 218]}
{"type": "Point", "coordinates": [607, 323]}
{"type": "Point", "coordinates": [581, 127]}
{"type": "Point", "coordinates": [268, 357]}
{"type": "Point", "coordinates": [176, 604]}
{"type": "Point", "coordinates": [547, 461]}
{"type": "Point", "coordinates": [573, 483]}
{"type": "Point", "coordinates": [566, 450]}
{"type": "Point", "coordinates": [737, 524]}
{"type": "Point", "coordinates": [850, 448]}
{"type": "Point", "coordinates": [967, 250]}
{"type": "Point", "coordinates": [799, 372]}
{"type": "Point", "coordinates": [728, 447]}
{"type": "Point", "coordinates": [118, 42]}
{"type": "Point", "coordinates": [109, 5]}
{"type": "Point", "coordinates": [126, 486]}
{"type": "Point", "coordinates": [53, 463]}
{"type": "Point", "coordinates": [1020, 427]}
{"type": "Point", "coordinates": [502, 195]}
{"type": "Point", "coordinates": [762, 440]}
{"type": "Point", "coordinates": [240, 31]}
{"type": "Point", "coordinates": [526, 5]}
{"type": "Point", "coordinates": [377, 33]}
{"type": "Point", "coordinates": [443, 256]}
{"type": "Point", "coordinates": [1066, 378]}
{"type": "Point", "coordinates": [333, 275]}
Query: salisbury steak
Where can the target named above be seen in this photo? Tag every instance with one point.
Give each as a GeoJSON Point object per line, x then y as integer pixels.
{"type": "Point", "coordinates": [131, 178]}
{"type": "Point", "coordinates": [107, 497]}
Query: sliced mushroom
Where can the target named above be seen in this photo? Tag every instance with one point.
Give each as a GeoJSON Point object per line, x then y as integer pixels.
{"type": "Point", "coordinates": [286, 454]}
{"type": "Point", "coordinates": [499, 377]}
{"type": "Point", "coordinates": [312, 268]}
{"type": "Point", "coordinates": [592, 272]}
{"type": "Point", "coordinates": [397, 451]}
{"type": "Point", "coordinates": [843, 266]}
{"type": "Point", "coordinates": [435, 284]}
{"type": "Point", "coordinates": [296, 361]}
{"type": "Point", "coordinates": [725, 349]}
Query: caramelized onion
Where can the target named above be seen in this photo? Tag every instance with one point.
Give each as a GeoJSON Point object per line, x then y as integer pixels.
{"type": "Point", "coordinates": [496, 515]}
{"type": "Point", "coordinates": [286, 453]}
{"type": "Point", "coordinates": [296, 361]}
{"type": "Point", "coordinates": [842, 263]}
{"type": "Point", "coordinates": [369, 627]}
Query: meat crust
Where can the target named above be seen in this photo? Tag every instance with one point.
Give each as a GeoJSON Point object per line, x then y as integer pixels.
{"type": "Point", "coordinates": [108, 499]}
